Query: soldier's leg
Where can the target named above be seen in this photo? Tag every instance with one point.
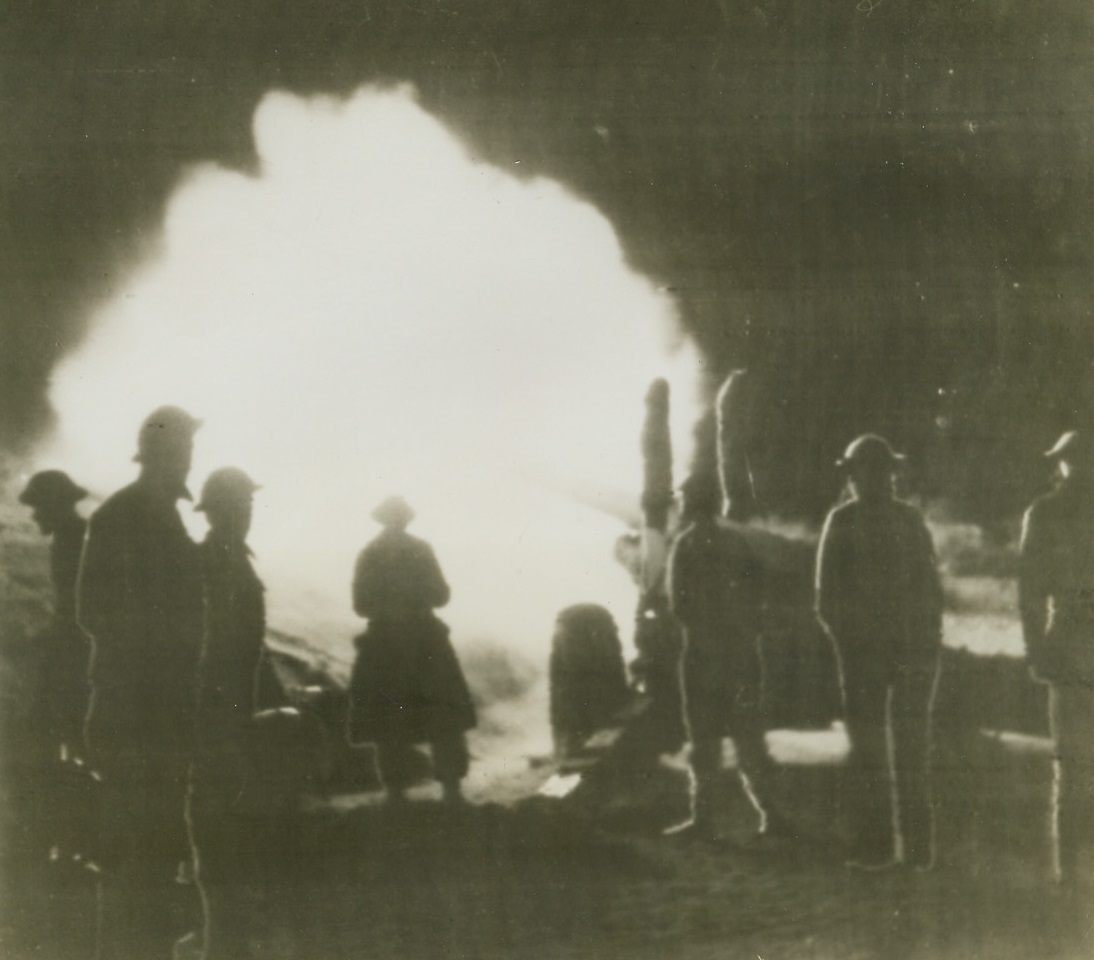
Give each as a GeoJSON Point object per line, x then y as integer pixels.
{"type": "Point", "coordinates": [136, 880]}
{"type": "Point", "coordinates": [451, 762]}
{"type": "Point", "coordinates": [704, 716]}
{"type": "Point", "coordinates": [757, 769]}
{"type": "Point", "coordinates": [867, 796]}
{"type": "Point", "coordinates": [910, 710]}
{"type": "Point", "coordinates": [215, 833]}
{"type": "Point", "coordinates": [142, 829]}
{"type": "Point", "coordinates": [1071, 713]}
{"type": "Point", "coordinates": [112, 735]}
{"type": "Point", "coordinates": [396, 763]}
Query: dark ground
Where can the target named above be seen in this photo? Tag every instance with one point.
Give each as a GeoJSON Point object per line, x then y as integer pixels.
{"type": "Point", "coordinates": [590, 876]}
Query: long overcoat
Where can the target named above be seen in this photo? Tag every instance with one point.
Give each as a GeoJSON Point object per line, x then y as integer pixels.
{"type": "Point", "coordinates": [407, 685]}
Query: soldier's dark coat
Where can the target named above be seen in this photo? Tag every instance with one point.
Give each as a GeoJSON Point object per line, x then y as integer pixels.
{"type": "Point", "coordinates": [140, 599]}
{"type": "Point", "coordinates": [407, 684]}
{"type": "Point", "coordinates": [235, 628]}
{"type": "Point", "coordinates": [64, 678]}
{"type": "Point", "coordinates": [878, 591]}
{"type": "Point", "coordinates": [880, 598]}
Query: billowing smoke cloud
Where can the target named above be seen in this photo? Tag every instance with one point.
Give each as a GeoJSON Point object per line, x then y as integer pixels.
{"type": "Point", "coordinates": [375, 311]}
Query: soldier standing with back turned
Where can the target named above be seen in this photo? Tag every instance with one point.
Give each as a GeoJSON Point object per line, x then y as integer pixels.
{"type": "Point", "coordinates": [407, 686]}
{"type": "Point", "coordinates": [716, 595]}
{"type": "Point", "coordinates": [1056, 597]}
{"type": "Point", "coordinates": [140, 599]}
{"type": "Point", "coordinates": [880, 599]}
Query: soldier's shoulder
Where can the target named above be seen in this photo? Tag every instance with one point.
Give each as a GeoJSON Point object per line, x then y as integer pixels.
{"type": "Point", "coordinates": [909, 512]}
{"type": "Point", "coordinates": [1049, 507]}
{"type": "Point", "coordinates": [118, 505]}
{"type": "Point", "coordinates": [688, 537]}
{"type": "Point", "coordinates": [842, 514]}
{"type": "Point", "coordinates": [417, 544]}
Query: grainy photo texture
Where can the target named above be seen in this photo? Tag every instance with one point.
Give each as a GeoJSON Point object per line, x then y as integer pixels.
{"type": "Point", "coordinates": [546, 479]}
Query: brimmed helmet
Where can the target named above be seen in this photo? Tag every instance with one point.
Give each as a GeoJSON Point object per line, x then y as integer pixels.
{"type": "Point", "coordinates": [226, 487]}
{"type": "Point", "coordinates": [51, 487]}
{"type": "Point", "coordinates": [870, 450]}
{"type": "Point", "coordinates": [163, 429]}
{"type": "Point", "coordinates": [1071, 446]}
{"type": "Point", "coordinates": [393, 512]}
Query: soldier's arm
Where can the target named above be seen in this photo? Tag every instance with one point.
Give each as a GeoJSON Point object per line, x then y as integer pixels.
{"type": "Point", "coordinates": [752, 590]}
{"type": "Point", "coordinates": [219, 599]}
{"type": "Point", "coordinates": [1033, 588]}
{"type": "Point", "coordinates": [676, 578]}
{"type": "Point", "coordinates": [434, 586]}
{"type": "Point", "coordinates": [363, 600]}
{"type": "Point", "coordinates": [828, 574]}
{"type": "Point", "coordinates": [102, 588]}
{"type": "Point", "coordinates": [929, 582]}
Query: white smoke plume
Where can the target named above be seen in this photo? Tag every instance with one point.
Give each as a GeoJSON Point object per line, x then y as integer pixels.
{"type": "Point", "coordinates": [374, 311]}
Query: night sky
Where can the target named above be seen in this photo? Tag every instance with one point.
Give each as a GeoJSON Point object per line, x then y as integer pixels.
{"type": "Point", "coordinates": [883, 208]}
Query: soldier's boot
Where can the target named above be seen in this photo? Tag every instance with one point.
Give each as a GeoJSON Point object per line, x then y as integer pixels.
{"type": "Point", "coordinates": [700, 823]}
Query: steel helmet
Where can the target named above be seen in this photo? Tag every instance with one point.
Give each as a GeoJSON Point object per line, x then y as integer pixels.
{"type": "Point", "coordinates": [164, 428]}
{"type": "Point", "coordinates": [393, 512]}
{"type": "Point", "coordinates": [51, 487]}
{"type": "Point", "coordinates": [871, 450]}
{"type": "Point", "coordinates": [226, 486]}
{"type": "Point", "coordinates": [1071, 446]}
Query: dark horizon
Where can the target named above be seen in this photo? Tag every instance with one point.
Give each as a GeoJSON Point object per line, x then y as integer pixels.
{"type": "Point", "coordinates": [885, 212]}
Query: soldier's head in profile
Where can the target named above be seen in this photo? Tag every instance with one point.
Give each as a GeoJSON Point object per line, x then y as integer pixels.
{"type": "Point", "coordinates": [165, 445]}
{"type": "Point", "coordinates": [700, 496]}
{"type": "Point", "coordinates": [871, 465]}
{"type": "Point", "coordinates": [1072, 455]}
{"type": "Point", "coordinates": [52, 496]}
{"type": "Point", "coordinates": [393, 514]}
{"type": "Point", "coordinates": [227, 500]}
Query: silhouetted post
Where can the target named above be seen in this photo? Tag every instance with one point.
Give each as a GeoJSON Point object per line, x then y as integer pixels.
{"type": "Point", "coordinates": [657, 636]}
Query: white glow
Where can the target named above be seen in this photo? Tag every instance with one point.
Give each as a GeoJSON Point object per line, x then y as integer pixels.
{"type": "Point", "coordinates": [376, 312]}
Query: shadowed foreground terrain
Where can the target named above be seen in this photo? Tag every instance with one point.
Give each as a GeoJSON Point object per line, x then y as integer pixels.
{"type": "Point", "coordinates": [590, 876]}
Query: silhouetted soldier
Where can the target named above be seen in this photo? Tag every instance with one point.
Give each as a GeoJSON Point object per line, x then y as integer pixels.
{"type": "Point", "coordinates": [716, 595]}
{"type": "Point", "coordinates": [53, 496]}
{"type": "Point", "coordinates": [235, 629]}
{"type": "Point", "coordinates": [140, 599]}
{"type": "Point", "coordinates": [1056, 589]}
{"type": "Point", "coordinates": [407, 686]}
{"type": "Point", "coordinates": [880, 599]}
{"type": "Point", "coordinates": [44, 801]}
